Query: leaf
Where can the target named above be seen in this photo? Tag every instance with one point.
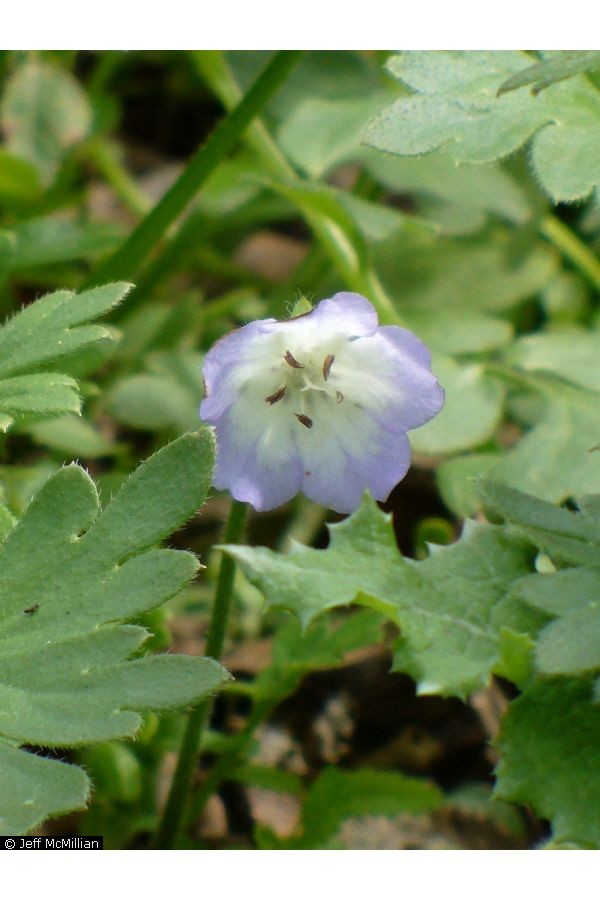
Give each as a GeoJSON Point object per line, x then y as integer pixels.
{"type": "Point", "coordinates": [168, 397]}
{"type": "Point", "coordinates": [323, 132]}
{"type": "Point", "coordinates": [570, 644]}
{"type": "Point", "coordinates": [45, 241]}
{"type": "Point", "coordinates": [33, 788]}
{"type": "Point", "coordinates": [457, 480]}
{"type": "Point", "coordinates": [44, 394]}
{"type": "Point", "coordinates": [72, 436]}
{"type": "Point", "coordinates": [457, 198]}
{"type": "Point", "coordinates": [54, 326]}
{"type": "Point", "coordinates": [19, 181]}
{"type": "Point", "coordinates": [337, 795]}
{"type": "Point", "coordinates": [564, 64]}
{"type": "Point", "coordinates": [550, 757]}
{"type": "Point", "coordinates": [436, 286]}
{"type": "Point", "coordinates": [455, 107]}
{"type": "Point", "coordinates": [71, 575]}
{"type": "Point", "coordinates": [471, 413]}
{"type": "Point", "coordinates": [573, 537]}
{"type": "Point", "coordinates": [44, 113]}
{"type": "Point", "coordinates": [571, 353]}
{"type": "Point", "coordinates": [442, 605]}
{"type": "Point", "coordinates": [554, 459]}
{"type": "Point", "coordinates": [37, 336]}
{"type": "Point", "coordinates": [297, 652]}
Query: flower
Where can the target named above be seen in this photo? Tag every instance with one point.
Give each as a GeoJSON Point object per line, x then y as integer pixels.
{"type": "Point", "coordinates": [320, 403]}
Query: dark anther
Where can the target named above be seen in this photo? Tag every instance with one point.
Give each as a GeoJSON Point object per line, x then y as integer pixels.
{"type": "Point", "coordinates": [278, 395]}
{"type": "Point", "coordinates": [291, 361]}
{"type": "Point", "coordinates": [327, 364]}
{"type": "Point", "coordinates": [305, 420]}
{"type": "Point", "coordinates": [339, 396]}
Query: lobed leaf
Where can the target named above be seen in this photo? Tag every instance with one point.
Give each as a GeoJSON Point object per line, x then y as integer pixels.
{"type": "Point", "coordinates": [550, 757]}
{"type": "Point", "coordinates": [71, 573]}
{"type": "Point", "coordinates": [455, 106]}
{"type": "Point", "coordinates": [443, 605]}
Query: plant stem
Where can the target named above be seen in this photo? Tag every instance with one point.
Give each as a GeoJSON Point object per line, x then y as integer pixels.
{"type": "Point", "coordinates": [174, 812]}
{"type": "Point", "coordinates": [571, 246]}
{"type": "Point", "coordinates": [213, 67]}
{"type": "Point", "coordinates": [105, 157]}
{"type": "Point", "coordinates": [127, 258]}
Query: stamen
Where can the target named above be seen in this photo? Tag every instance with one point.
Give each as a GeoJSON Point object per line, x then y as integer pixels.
{"type": "Point", "coordinates": [305, 420]}
{"type": "Point", "coordinates": [339, 396]}
{"type": "Point", "coordinates": [291, 361]}
{"type": "Point", "coordinates": [278, 395]}
{"type": "Point", "coordinates": [327, 364]}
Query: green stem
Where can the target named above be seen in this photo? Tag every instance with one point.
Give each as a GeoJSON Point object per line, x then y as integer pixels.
{"type": "Point", "coordinates": [230, 759]}
{"type": "Point", "coordinates": [571, 246]}
{"type": "Point", "coordinates": [214, 68]}
{"type": "Point", "coordinates": [127, 258]}
{"type": "Point", "coordinates": [174, 812]}
{"type": "Point", "coordinates": [105, 157]}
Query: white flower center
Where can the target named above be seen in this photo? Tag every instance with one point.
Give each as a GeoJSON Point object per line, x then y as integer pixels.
{"type": "Point", "coordinates": [304, 379]}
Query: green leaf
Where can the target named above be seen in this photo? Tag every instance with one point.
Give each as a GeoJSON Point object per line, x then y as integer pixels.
{"type": "Point", "coordinates": [457, 198]}
{"type": "Point", "coordinates": [55, 326]}
{"type": "Point", "coordinates": [19, 181]}
{"type": "Point", "coordinates": [72, 436]}
{"type": "Point", "coordinates": [571, 643]}
{"type": "Point", "coordinates": [297, 652]}
{"type": "Point", "coordinates": [337, 795]}
{"type": "Point", "coordinates": [455, 106]}
{"type": "Point", "coordinates": [563, 64]}
{"type": "Point", "coordinates": [550, 757]}
{"type": "Point", "coordinates": [33, 788]}
{"type": "Point", "coordinates": [571, 353]}
{"type": "Point", "coordinates": [471, 413]}
{"type": "Point", "coordinates": [323, 132]}
{"type": "Point", "coordinates": [44, 394]}
{"type": "Point", "coordinates": [41, 242]}
{"type": "Point", "coordinates": [554, 459]}
{"type": "Point", "coordinates": [573, 537]}
{"type": "Point", "coordinates": [442, 605]}
{"type": "Point", "coordinates": [70, 575]}
{"type": "Point", "coordinates": [166, 398]}
{"type": "Point", "coordinates": [457, 480]}
{"type": "Point", "coordinates": [44, 113]}
{"type": "Point", "coordinates": [36, 337]}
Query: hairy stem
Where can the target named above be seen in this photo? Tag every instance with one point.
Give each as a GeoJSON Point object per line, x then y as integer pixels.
{"type": "Point", "coordinates": [175, 809]}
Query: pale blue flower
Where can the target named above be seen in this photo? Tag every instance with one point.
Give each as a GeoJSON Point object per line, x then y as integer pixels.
{"type": "Point", "coordinates": [320, 403]}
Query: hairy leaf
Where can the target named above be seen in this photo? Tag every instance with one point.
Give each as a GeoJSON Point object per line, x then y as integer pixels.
{"type": "Point", "coordinates": [443, 605]}
{"type": "Point", "coordinates": [456, 106]}
{"type": "Point", "coordinates": [36, 338]}
{"type": "Point", "coordinates": [550, 757]}
{"type": "Point", "coordinates": [70, 575]}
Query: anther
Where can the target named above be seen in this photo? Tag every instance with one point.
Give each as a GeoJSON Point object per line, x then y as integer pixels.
{"type": "Point", "coordinates": [305, 420]}
{"type": "Point", "coordinates": [339, 396]}
{"type": "Point", "coordinates": [327, 364]}
{"type": "Point", "coordinates": [291, 361]}
{"type": "Point", "coordinates": [278, 395]}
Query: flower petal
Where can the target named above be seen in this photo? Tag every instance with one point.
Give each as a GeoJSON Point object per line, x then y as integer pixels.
{"type": "Point", "coordinates": [346, 452]}
{"type": "Point", "coordinates": [344, 315]}
{"type": "Point", "coordinates": [228, 366]}
{"type": "Point", "coordinates": [257, 457]}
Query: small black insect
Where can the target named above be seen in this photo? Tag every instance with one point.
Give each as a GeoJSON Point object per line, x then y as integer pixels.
{"type": "Point", "coordinates": [31, 609]}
